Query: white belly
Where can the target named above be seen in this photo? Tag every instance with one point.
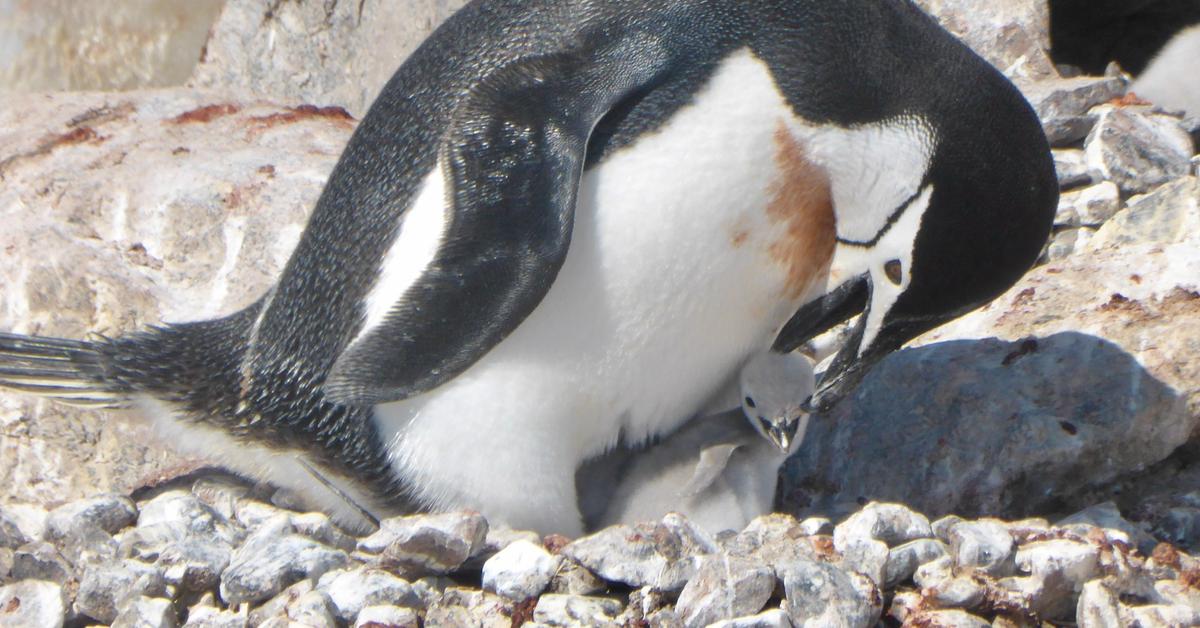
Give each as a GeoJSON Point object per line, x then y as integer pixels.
{"type": "Point", "coordinates": [677, 270]}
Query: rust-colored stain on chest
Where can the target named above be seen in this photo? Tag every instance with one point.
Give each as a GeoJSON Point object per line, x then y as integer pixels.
{"type": "Point", "coordinates": [801, 199]}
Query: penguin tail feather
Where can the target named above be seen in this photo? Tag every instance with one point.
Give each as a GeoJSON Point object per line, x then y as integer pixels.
{"type": "Point", "coordinates": [75, 372]}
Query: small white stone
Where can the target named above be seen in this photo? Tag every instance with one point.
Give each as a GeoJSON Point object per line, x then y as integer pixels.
{"type": "Point", "coordinates": [891, 523]}
{"type": "Point", "coordinates": [985, 545]}
{"type": "Point", "coordinates": [573, 610]}
{"type": "Point", "coordinates": [38, 603]}
{"type": "Point", "coordinates": [816, 525]}
{"type": "Point", "coordinates": [1074, 561]}
{"type": "Point", "coordinates": [386, 615]}
{"type": "Point", "coordinates": [351, 591]}
{"type": "Point", "coordinates": [520, 571]}
{"type": "Point", "coordinates": [903, 560]}
{"type": "Point", "coordinates": [147, 612]}
{"type": "Point", "coordinates": [774, 618]}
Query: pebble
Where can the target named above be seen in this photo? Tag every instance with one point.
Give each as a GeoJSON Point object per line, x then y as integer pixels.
{"type": "Point", "coordinates": [774, 618]}
{"type": "Point", "coordinates": [319, 527]}
{"type": "Point", "coordinates": [985, 545]}
{"type": "Point", "coordinates": [1066, 242]}
{"type": "Point", "coordinates": [724, 588]}
{"type": "Point", "coordinates": [1070, 165]}
{"type": "Point", "coordinates": [620, 553]}
{"type": "Point", "coordinates": [11, 536]}
{"type": "Point", "coordinates": [212, 617]}
{"type": "Point", "coordinates": [32, 603]}
{"type": "Point", "coordinates": [184, 513]}
{"type": "Point", "coordinates": [105, 589]}
{"type": "Point", "coordinates": [1064, 104]}
{"type": "Point", "coordinates": [278, 605]}
{"type": "Point", "coordinates": [819, 594]}
{"type": "Point", "coordinates": [575, 610]}
{"type": "Point", "coordinates": [574, 579]}
{"type": "Point", "coordinates": [1072, 561]}
{"type": "Point", "coordinates": [313, 609]}
{"type": "Point", "coordinates": [1167, 215]}
{"type": "Point", "coordinates": [520, 571]}
{"type": "Point", "coordinates": [1091, 206]}
{"type": "Point", "coordinates": [109, 513]}
{"type": "Point", "coordinates": [147, 612]}
{"type": "Point", "coordinates": [813, 526]}
{"type": "Point", "coordinates": [273, 558]}
{"type": "Point", "coordinates": [1137, 151]}
{"type": "Point", "coordinates": [380, 616]}
{"type": "Point", "coordinates": [351, 591]}
{"type": "Point", "coordinates": [948, 619]}
{"type": "Point", "coordinates": [40, 561]}
{"type": "Point", "coordinates": [428, 544]}
{"type": "Point", "coordinates": [220, 494]}
{"type": "Point", "coordinates": [474, 607]}
{"type": "Point", "coordinates": [903, 560]}
{"type": "Point", "coordinates": [891, 523]}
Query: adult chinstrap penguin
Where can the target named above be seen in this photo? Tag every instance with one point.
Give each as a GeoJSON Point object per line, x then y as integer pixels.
{"type": "Point", "coordinates": [567, 222]}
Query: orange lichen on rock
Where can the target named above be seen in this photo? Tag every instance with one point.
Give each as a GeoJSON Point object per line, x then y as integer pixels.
{"type": "Point", "coordinates": [207, 113]}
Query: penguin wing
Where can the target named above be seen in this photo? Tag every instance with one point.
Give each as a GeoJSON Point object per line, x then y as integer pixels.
{"type": "Point", "coordinates": [512, 158]}
{"type": "Point", "coordinates": [711, 465]}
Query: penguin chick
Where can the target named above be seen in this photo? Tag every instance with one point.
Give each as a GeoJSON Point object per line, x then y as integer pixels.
{"type": "Point", "coordinates": [718, 470]}
{"type": "Point", "coordinates": [771, 384]}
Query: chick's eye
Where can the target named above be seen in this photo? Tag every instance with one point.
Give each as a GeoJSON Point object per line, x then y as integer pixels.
{"type": "Point", "coordinates": [749, 402]}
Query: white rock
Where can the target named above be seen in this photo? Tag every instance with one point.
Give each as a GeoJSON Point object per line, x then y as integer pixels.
{"type": "Point", "coordinates": [891, 523]}
{"type": "Point", "coordinates": [819, 594]}
{"type": "Point", "coordinates": [351, 591]}
{"type": "Point", "coordinates": [985, 545]}
{"type": "Point", "coordinates": [555, 609]}
{"type": "Point", "coordinates": [212, 617]}
{"type": "Point", "coordinates": [1137, 151]}
{"type": "Point", "coordinates": [1088, 207]}
{"type": "Point", "coordinates": [1074, 561]}
{"type": "Point", "coordinates": [389, 616]}
{"type": "Point", "coordinates": [109, 513]}
{"type": "Point", "coordinates": [147, 612]}
{"type": "Point", "coordinates": [273, 558]}
{"type": "Point", "coordinates": [32, 603]}
{"type": "Point", "coordinates": [428, 544]}
{"type": "Point", "coordinates": [1070, 165]}
{"type": "Point", "coordinates": [952, 618]}
{"type": "Point", "coordinates": [774, 618]}
{"type": "Point", "coordinates": [313, 609]}
{"type": "Point", "coordinates": [520, 571]}
{"type": "Point", "coordinates": [816, 525]}
{"type": "Point", "coordinates": [903, 560]}
{"type": "Point", "coordinates": [620, 553]}
{"type": "Point", "coordinates": [724, 588]}
{"type": "Point", "coordinates": [1167, 215]}
{"type": "Point", "coordinates": [1098, 606]}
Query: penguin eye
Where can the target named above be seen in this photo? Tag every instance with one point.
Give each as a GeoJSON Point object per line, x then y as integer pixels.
{"type": "Point", "coordinates": [892, 270]}
{"type": "Point", "coordinates": [750, 402]}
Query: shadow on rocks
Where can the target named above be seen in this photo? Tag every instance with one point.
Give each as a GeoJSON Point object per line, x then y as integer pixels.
{"type": "Point", "coordinates": [987, 427]}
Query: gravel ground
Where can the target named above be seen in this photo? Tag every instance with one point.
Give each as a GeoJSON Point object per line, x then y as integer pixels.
{"type": "Point", "coordinates": [209, 550]}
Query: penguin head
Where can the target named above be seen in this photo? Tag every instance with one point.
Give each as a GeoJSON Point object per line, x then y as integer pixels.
{"type": "Point", "coordinates": [774, 388]}
{"type": "Point", "coordinates": [936, 214]}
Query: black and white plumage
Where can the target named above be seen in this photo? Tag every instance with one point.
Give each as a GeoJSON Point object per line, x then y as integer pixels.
{"type": "Point", "coordinates": [565, 222]}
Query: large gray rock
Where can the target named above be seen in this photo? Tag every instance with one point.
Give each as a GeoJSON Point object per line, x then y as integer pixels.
{"type": "Point", "coordinates": [180, 205]}
{"type": "Point", "coordinates": [1108, 384]}
{"type": "Point", "coordinates": [428, 545]}
{"type": "Point", "coordinates": [326, 53]}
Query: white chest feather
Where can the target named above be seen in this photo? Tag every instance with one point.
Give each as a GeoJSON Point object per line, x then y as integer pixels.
{"type": "Point", "coordinates": [690, 249]}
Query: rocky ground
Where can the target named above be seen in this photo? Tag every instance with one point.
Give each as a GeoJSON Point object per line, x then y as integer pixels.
{"type": "Point", "coordinates": [1073, 398]}
{"type": "Point", "coordinates": [212, 551]}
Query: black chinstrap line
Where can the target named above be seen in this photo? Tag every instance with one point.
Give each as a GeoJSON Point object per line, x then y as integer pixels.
{"type": "Point", "coordinates": [892, 219]}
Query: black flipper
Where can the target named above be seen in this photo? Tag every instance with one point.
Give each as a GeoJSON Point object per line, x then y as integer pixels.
{"type": "Point", "coordinates": [513, 157]}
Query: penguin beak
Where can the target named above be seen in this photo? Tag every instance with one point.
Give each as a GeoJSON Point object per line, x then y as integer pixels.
{"type": "Point", "coordinates": [781, 436]}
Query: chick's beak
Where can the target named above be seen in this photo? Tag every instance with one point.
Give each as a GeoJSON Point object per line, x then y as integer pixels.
{"type": "Point", "coordinates": [781, 436]}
